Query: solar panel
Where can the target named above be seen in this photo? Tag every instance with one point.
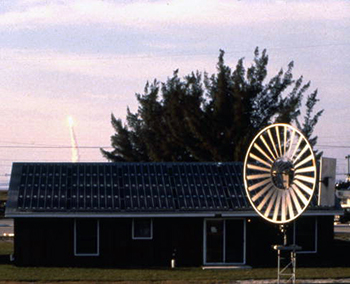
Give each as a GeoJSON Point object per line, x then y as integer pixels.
{"type": "Point", "coordinates": [126, 187]}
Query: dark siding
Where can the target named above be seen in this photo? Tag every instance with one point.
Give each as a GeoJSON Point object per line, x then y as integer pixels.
{"type": "Point", "coordinates": [261, 236]}
{"type": "Point", "coordinates": [183, 234]}
{"type": "Point", "coordinates": [325, 233]}
{"type": "Point", "coordinates": [43, 241]}
{"type": "Point", "coordinates": [50, 242]}
{"type": "Point", "coordinates": [325, 246]}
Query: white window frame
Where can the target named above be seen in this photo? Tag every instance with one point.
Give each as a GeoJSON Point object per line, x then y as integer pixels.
{"type": "Point", "coordinates": [224, 240]}
{"type": "Point", "coordinates": [316, 238]}
{"type": "Point", "coordinates": [133, 230]}
{"type": "Point", "coordinates": [98, 240]}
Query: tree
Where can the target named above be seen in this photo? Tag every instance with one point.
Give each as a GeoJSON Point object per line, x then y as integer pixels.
{"type": "Point", "coordinates": [211, 118]}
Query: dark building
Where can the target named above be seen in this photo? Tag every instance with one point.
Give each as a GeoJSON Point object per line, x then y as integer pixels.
{"type": "Point", "coordinates": [145, 214]}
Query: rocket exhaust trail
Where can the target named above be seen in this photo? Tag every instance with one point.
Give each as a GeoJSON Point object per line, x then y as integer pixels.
{"type": "Point", "coordinates": [73, 140]}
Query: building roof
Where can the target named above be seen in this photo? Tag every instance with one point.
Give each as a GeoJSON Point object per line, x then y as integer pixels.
{"type": "Point", "coordinates": [127, 189]}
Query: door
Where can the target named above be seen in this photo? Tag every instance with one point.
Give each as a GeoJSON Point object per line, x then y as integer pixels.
{"type": "Point", "coordinates": [214, 241]}
{"type": "Point", "coordinates": [224, 241]}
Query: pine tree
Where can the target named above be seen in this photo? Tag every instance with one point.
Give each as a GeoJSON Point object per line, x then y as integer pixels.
{"type": "Point", "coordinates": [211, 118]}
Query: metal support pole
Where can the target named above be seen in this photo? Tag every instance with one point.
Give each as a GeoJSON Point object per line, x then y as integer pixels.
{"type": "Point", "coordinates": [278, 266]}
{"type": "Point", "coordinates": [294, 265]}
{"type": "Point", "coordinates": [286, 271]}
{"type": "Point", "coordinates": [348, 174]}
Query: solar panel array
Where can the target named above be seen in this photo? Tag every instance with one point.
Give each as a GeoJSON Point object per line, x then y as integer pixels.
{"type": "Point", "coordinates": [127, 187]}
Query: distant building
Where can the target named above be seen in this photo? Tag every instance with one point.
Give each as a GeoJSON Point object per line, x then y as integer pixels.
{"type": "Point", "coordinates": [343, 193]}
{"type": "Point", "coordinates": [146, 214]}
{"type": "Point", "coordinates": [3, 199]}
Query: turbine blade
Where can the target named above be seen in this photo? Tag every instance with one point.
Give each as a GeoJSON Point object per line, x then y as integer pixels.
{"type": "Point", "coordinates": [301, 153]}
{"type": "Point", "coordinates": [257, 185]}
{"type": "Point", "coordinates": [272, 201]}
{"type": "Point", "coordinates": [305, 178]}
{"type": "Point", "coordinates": [262, 152]}
{"type": "Point", "coordinates": [265, 199]}
{"type": "Point", "coordinates": [290, 205]}
{"type": "Point", "coordinates": [251, 177]}
{"type": "Point", "coordinates": [278, 140]}
{"type": "Point", "coordinates": [285, 140]}
{"type": "Point", "coordinates": [299, 193]}
{"type": "Point", "coordinates": [259, 160]}
{"type": "Point", "coordinates": [291, 140]}
{"type": "Point", "coordinates": [277, 206]}
{"type": "Point", "coordinates": [305, 170]}
{"type": "Point", "coordinates": [304, 187]}
{"type": "Point", "coordinates": [254, 167]}
{"type": "Point", "coordinates": [295, 201]}
{"type": "Point", "coordinates": [283, 208]}
{"type": "Point", "coordinates": [296, 147]}
{"type": "Point", "coordinates": [307, 159]}
{"type": "Point", "coordinates": [272, 142]}
{"type": "Point", "coordinates": [267, 146]}
{"type": "Point", "coordinates": [261, 192]}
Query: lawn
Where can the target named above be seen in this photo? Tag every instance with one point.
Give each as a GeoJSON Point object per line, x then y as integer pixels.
{"type": "Point", "coordinates": [6, 247]}
{"type": "Point", "coordinates": [3, 195]}
{"type": "Point", "coordinates": [342, 237]}
{"type": "Point", "coordinates": [189, 275]}
{"type": "Point", "coordinates": [12, 273]}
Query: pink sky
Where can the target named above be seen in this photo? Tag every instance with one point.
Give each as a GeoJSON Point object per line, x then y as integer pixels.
{"type": "Point", "coordinates": [88, 58]}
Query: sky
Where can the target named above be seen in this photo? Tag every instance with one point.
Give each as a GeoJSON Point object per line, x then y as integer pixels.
{"type": "Point", "coordinates": [87, 59]}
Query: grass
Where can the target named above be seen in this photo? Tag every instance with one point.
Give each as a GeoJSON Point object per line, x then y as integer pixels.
{"type": "Point", "coordinates": [6, 247]}
{"type": "Point", "coordinates": [189, 275]}
{"type": "Point", "coordinates": [3, 195]}
{"type": "Point", "coordinates": [11, 273]}
{"type": "Point", "coordinates": [342, 237]}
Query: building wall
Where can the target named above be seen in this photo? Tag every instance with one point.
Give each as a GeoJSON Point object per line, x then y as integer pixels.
{"type": "Point", "coordinates": [262, 235]}
{"type": "Point", "coordinates": [43, 241]}
{"type": "Point", "coordinates": [50, 242]}
{"type": "Point", "coordinates": [47, 242]}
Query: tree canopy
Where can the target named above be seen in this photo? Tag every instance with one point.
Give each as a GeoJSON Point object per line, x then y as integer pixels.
{"type": "Point", "coordinates": [212, 118]}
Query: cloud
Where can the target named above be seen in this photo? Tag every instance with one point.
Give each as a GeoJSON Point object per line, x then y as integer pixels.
{"type": "Point", "coordinates": [128, 67]}
{"type": "Point", "coordinates": [37, 115]}
{"type": "Point", "coordinates": [156, 15]}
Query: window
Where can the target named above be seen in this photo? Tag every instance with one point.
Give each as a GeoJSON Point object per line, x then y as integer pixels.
{"type": "Point", "coordinates": [142, 229]}
{"type": "Point", "coordinates": [86, 237]}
